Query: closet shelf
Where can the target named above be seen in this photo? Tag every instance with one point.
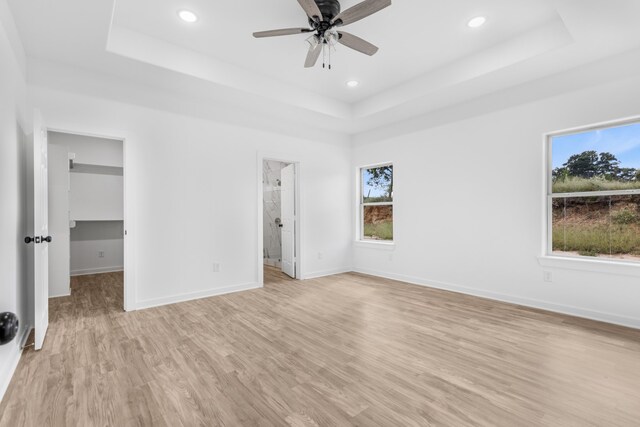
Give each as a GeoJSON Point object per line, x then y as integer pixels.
{"type": "Point", "coordinates": [98, 220]}
{"type": "Point", "coordinates": [96, 169]}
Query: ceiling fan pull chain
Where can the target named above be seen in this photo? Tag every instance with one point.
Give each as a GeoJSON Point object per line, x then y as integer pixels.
{"type": "Point", "coordinates": [324, 56]}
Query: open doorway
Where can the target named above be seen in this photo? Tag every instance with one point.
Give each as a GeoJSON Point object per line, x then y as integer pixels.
{"type": "Point", "coordinates": [86, 218]}
{"type": "Point", "coordinates": [280, 227]}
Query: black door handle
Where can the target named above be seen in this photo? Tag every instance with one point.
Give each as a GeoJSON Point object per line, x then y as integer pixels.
{"type": "Point", "coordinates": [37, 239]}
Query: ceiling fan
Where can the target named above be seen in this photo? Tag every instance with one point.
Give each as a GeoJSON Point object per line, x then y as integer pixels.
{"type": "Point", "coordinates": [324, 18]}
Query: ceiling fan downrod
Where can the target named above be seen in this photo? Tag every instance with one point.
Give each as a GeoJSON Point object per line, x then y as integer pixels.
{"type": "Point", "coordinates": [325, 63]}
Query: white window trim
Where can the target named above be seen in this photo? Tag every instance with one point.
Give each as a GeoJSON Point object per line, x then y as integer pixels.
{"type": "Point", "coordinates": [375, 244]}
{"type": "Point", "coordinates": [595, 265]}
{"type": "Point", "coordinates": [360, 240]}
{"type": "Point", "coordinates": [576, 262]}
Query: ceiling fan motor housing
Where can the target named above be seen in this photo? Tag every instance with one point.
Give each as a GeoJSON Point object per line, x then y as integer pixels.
{"type": "Point", "coordinates": [329, 8]}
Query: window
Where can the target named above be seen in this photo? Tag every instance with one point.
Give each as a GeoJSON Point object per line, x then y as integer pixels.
{"type": "Point", "coordinates": [376, 203]}
{"type": "Point", "coordinates": [593, 194]}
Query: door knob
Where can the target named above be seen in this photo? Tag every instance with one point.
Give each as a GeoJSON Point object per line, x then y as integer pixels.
{"type": "Point", "coordinates": [37, 239]}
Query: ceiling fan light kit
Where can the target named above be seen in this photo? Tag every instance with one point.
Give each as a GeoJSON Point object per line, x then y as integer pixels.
{"type": "Point", "coordinates": [325, 16]}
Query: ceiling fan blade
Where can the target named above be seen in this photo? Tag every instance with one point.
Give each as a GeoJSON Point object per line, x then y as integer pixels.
{"type": "Point", "coordinates": [311, 8]}
{"type": "Point", "coordinates": [359, 11]}
{"type": "Point", "coordinates": [313, 55]}
{"type": "Point", "coordinates": [356, 43]}
{"type": "Point", "coordinates": [282, 32]}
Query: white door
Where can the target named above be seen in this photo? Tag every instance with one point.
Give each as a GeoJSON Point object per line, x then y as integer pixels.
{"type": "Point", "coordinates": [40, 239]}
{"type": "Point", "coordinates": [288, 200]}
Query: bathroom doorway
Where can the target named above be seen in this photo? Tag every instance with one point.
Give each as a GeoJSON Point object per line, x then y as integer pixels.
{"type": "Point", "coordinates": [279, 218]}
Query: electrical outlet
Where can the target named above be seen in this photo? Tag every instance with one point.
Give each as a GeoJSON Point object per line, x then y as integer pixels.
{"type": "Point", "coordinates": [548, 277]}
{"type": "Point", "coordinates": [216, 267]}
{"type": "Point", "coordinates": [101, 254]}
{"type": "Point", "coordinates": [319, 255]}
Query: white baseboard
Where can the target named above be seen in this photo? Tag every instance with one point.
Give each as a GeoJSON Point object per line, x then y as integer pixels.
{"type": "Point", "coordinates": [60, 296]}
{"type": "Point", "coordinates": [8, 369]}
{"type": "Point", "coordinates": [195, 295]}
{"type": "Point", "coordinates": [317, 274]}
{"type": "Point", "coordinates": [99, 270]}
{"type": "Point", "coordinates": [615, 319]}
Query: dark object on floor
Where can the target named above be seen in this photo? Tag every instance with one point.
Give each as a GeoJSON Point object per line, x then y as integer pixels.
{"type": "Point", "coordinates": [8, 327]}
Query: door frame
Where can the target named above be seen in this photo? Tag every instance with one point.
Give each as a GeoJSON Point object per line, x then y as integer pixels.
{"type": "Point", "coordinates": [278, 157]}
{"type": "Point", "coordinates": [129, 291]}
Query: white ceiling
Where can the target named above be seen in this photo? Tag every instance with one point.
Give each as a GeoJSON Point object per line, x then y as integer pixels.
{"type": "Point", "coordinates": [428, 57]}
{"type": "Point", "coordinates": [414, 37]}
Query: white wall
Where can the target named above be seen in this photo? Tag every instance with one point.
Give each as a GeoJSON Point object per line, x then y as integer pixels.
{"type": "Point", "coordinates": [97, 247]}
{"type": "Point", "coordinates": [192, 195]}
{"type": "Point", "coordinates": [15, 291]}
{"type": "Point", "coordinates": [469, 207]}
{"type": "Point", "coordinates": [96, 197]}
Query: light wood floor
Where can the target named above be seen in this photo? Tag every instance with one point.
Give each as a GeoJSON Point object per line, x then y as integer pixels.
{"type": "Point", "coordinates": [342, 350]}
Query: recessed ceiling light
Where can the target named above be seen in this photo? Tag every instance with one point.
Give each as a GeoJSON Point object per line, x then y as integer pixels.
{"type": "Point", "coordinates": [188, 16]}
{"type": "Point", "coordinates": [353, 83]}
{"type": "Point", "coordinates": [476, 22]}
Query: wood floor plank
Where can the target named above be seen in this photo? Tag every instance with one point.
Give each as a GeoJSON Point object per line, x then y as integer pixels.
{"type": "Point", "coordinates": [342, 350]}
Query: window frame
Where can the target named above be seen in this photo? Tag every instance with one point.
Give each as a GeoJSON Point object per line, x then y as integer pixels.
{"type": "Point", "coordinates": [550, 196]}
{"type": "Point", "coordinates": [361, 205]}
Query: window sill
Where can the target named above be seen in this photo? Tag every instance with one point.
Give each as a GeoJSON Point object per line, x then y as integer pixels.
{"type": "Point", "coordinates": [623, 268]}
{"type": "Point", "coordinates": [383, 246]}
